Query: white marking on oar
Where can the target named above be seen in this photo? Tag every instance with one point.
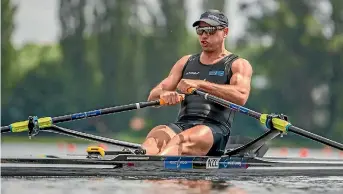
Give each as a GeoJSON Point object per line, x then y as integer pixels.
{"type": "Point", "coordinates": [138, 106]}
{"type": "Point", "coordinates": [206, 96]}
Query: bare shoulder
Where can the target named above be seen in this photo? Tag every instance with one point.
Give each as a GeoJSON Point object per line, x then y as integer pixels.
{"type": "Point", "coordinates": [179, 65]}
{"type": "Point", "coordinates": [175, 74]}
{"type": "Point", "coordinates": [183, 60]}
{"type": "Point", "coordinates": [242, 66]}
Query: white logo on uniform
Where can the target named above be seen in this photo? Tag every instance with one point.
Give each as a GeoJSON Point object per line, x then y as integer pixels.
{"type": "Point", "coordinates": [192, 73]}
{"type": "Point", "coordinates": [212, 163]}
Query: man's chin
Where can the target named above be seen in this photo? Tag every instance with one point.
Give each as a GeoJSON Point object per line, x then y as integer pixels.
{"type": "Point", "coordinates": [207, 49]}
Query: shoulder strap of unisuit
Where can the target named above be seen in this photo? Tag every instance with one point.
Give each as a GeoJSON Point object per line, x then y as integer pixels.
{"type": "Point", "coordinates": [191, 58]}
{"type": "Point", "coordinates": [228, 63]}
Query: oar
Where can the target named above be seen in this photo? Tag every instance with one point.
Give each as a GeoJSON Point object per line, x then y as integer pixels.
{"type": "Point", "coordinates": [279, 124]}
{"type": "Point", "coordinates": [47, 122]}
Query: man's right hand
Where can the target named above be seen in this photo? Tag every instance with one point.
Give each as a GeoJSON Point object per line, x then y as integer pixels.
{"type": "Point", "coordinates": [171, 97]}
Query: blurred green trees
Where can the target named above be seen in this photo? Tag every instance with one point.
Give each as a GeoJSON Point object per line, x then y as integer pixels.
{"type": "Point", "coordinates": [113, 52]}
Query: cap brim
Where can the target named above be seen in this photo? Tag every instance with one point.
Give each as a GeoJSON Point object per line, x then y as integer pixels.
{"type": "Point", "coordinates": [208, 21]}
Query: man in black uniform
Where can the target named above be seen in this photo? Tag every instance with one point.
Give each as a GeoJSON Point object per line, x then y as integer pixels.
{"type": "Point", "coordinates": [202, 127]}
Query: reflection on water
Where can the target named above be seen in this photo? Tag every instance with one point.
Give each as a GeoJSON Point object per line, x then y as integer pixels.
{"type": "Point", "coordinates": [257, 185]}
{"type": "Point", "coordinates": [197, 186]}
{"type": "Point", "coordinates": [99, 185]}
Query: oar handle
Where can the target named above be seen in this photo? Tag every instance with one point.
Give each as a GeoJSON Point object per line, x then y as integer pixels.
{"type": "Point", "coordinates": [191, 90]}
{"type": "Point", "coordinates": [162, 102]}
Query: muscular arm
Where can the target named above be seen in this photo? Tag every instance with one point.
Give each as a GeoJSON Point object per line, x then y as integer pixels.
{"type": "Point", "coordinates": [239, 89]}
{"type": "Point", "coordinates": [170, 82]}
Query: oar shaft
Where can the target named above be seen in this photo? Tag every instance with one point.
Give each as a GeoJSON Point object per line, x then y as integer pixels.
{"type": "Point", "coordinates": [228, 104]}
{"type": "Point", "coordinates": [315, 137]}
{"type": "Point", "coordinates": [48, 121]}
{"type": "Point", "coordinates": [5, 129]}
{"type": "Point", "coordinates": [105, 111]}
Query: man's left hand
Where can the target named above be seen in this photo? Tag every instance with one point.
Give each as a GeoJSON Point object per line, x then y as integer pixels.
{"type": "Point", "coordinates": [185, 84]}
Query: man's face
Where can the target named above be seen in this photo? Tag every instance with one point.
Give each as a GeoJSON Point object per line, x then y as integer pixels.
{"type": "Point", "coordinates": [211, 42]}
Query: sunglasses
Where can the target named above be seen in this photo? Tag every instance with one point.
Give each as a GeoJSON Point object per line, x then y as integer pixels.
{"type": "Point", "coordinates": [208, 29]}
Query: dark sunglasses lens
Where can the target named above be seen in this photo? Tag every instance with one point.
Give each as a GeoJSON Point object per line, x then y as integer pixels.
{"type": "Point", "coordinates": [210, 31]}
{"type": "Point", "coordinates": [200, 31]}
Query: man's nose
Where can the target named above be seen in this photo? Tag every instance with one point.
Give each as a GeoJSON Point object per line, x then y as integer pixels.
{"type": "Point", "coordinates": [204, 35]}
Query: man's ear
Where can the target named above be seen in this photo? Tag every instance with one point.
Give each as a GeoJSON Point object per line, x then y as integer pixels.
{"type": "Point", "coordinates": [226, 32]}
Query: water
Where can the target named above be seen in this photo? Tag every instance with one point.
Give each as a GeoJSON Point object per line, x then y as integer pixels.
{"type": "Point", "coordinates": [237, 185]}
{"type": "Point", "coordinates": [119, 185]}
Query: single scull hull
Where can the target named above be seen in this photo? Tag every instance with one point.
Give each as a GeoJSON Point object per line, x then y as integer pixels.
{"type": "Point", "coordinates": [132, 165]}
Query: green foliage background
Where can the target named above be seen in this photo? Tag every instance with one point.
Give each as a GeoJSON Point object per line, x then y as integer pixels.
{"type": "Point", "coordinates": [117, 58]}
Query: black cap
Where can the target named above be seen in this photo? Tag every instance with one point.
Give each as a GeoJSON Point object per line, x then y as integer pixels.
{"type": "Point", "coordinates": [213, 18]}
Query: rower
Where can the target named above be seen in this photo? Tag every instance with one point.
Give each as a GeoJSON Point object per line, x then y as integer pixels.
{"type": "Point", "coordinates": [202, 127]}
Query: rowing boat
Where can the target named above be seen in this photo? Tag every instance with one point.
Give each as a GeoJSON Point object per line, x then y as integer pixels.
{"type": "Point", "coordinates": [129, 164]}
{"type": "Point", "coordinates": [242, 158]}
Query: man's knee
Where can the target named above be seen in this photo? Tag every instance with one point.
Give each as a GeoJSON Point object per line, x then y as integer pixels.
{"type": "Point", "coordinates": [157, 128]}
{"type": "Point", "coordinates": [159, 136]}
{"type": "Point", "coordinates": [193, 141]}
{"type": "Point", "coordinates": [179, 139]}
{"type": "Point", "coordinates": [161, 130]}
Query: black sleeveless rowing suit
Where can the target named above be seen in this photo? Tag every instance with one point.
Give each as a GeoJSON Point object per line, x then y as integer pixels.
{"type": "Point", "coordinates": [196, 110]}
